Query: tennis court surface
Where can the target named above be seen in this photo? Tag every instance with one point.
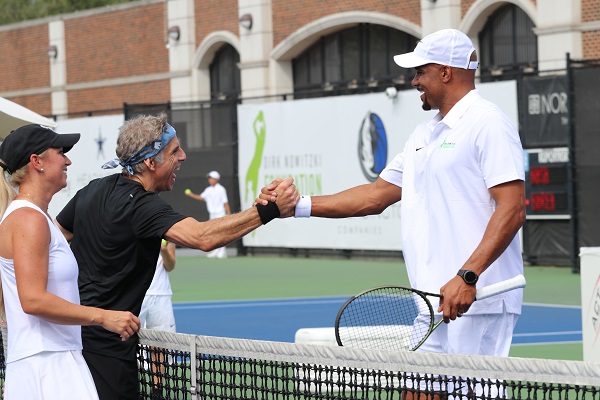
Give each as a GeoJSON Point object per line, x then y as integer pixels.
{"type": "Point", "coordinates": [279, 319]}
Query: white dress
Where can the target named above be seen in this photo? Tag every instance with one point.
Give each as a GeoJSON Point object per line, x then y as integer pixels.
{"type": "Point", "coordinates": [44, 359]}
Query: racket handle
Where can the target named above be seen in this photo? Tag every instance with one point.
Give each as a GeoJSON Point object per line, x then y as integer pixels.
{"type": "Point", "coordinates": [501, 287]}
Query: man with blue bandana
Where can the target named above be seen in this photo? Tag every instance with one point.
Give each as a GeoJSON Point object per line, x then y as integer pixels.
{"type": "Point", "coordinates": [115, 225]}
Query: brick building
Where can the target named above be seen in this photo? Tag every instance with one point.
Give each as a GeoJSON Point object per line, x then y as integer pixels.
{"type": "Point", "coordinates": [154, 51]}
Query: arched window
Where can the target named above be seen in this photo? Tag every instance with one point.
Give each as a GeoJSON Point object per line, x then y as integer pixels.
{"type": "Point", "coordinates": [508, 46]}
{"type": "Point", "coordinates": [354, 60]}
{"type": "Point", "coordinates": [225, 82]}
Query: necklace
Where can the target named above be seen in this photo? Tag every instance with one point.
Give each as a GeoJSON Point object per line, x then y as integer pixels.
{"type": "Point", "coordinates": [34, 201]}
{"type": "Point", "coordinates": [32, 198]}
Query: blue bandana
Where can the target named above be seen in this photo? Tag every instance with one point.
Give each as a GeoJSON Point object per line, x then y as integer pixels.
{"type": "Point", "coordinates": [149, 151]}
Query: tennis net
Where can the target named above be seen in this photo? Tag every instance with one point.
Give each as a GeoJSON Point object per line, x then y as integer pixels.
{"type": "Point", "coordinates": [184, 366]}
{"type": "Point", "coordinates": [181, 366]}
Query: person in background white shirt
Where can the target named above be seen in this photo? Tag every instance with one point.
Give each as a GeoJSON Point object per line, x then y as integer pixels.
{"type": "Point", "coordinates": [157, 308]}
{"type": "Point", "coordinates": [217, 204]}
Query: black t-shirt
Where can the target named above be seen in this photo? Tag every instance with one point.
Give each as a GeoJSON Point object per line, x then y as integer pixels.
{"type": "Point", "coordinates": [117, 227]}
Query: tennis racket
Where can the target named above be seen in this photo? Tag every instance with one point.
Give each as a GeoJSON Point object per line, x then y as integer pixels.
{"type": "Point", "coordinates": [397, 317]}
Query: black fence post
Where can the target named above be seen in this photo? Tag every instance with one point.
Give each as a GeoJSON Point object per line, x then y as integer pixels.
{"type": "Point", "coordinates": [572, 168]}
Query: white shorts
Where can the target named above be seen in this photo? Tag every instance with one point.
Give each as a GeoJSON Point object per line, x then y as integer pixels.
{"type": "Point", "coordinates": [157, 313]}
{"type": "Point", "coordinates": [479, 334]}
{"type": "Point", "coordinates": [50, 375]}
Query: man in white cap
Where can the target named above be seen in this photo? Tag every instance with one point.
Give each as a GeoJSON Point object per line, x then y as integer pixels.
{"type": "Point", "coordinates": [217, 204]}
{"type": "Point", "coordinates": [461, 181]}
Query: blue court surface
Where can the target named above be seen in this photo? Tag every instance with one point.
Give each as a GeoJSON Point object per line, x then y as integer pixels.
{"type": "Point", "coordinates": [278, 320]}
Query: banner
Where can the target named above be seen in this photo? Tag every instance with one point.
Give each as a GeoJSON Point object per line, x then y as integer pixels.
{"type": "Point", "coordinates": [545, 114]}
{"type": "Point", "coordinates": [328, 145]}
{"type": "Point", "coordinates": [96, 146]}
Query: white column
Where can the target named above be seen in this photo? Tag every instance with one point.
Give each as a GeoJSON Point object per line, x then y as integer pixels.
{"type": "Point", "coordinates": [282, 77]}
{"type": "Point", "coordinates": [556, 34]}
{"type": "Point", "coordinates": [58, 68]}
{"type": "Point", "coordinates": [256, 44]}
{"type": "Point", "coordinates": [180, 13]}
{"type": "Point", "coordinates": [439, 14]}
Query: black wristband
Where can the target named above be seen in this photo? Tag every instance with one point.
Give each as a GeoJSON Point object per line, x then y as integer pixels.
{"type": "Point", "coordinates": [268, 212]}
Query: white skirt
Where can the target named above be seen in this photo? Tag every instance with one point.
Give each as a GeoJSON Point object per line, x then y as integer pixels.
{"type": "Point", "coordinates": [157, 313]}
{"type": "Point", "coordinates": [50, 375]}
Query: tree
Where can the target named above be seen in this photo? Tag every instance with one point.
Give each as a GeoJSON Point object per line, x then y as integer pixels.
{"type": "Point", "coordinates": [12, 11]}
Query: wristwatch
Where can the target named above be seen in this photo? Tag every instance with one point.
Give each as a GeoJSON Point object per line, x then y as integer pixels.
{"type": "Point", "coordinates": [470, 277]}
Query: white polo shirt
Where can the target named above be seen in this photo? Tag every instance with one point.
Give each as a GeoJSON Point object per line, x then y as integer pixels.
{"type": "Point", "coordinates": [215, 197]}
{"type": "Point", "coordinates": [445, 171]}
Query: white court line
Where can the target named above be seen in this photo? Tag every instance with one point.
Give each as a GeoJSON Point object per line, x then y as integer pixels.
{"type": "Point", "coordinates": [252, 303]}
{"type": "Point", "coordinates": [551, 305]}
{"type": "Point", "coordinates": [194, 305]}
{"type": "Point", "coordinates": [547, 333]}
{"type": "Point", "coordinates": [546, 343]}
{"type": "Point", "coordinates": [308, 300]}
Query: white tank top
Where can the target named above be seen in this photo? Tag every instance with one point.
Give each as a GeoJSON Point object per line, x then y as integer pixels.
{"type": "Point", "coordinates": [28, 334]}
{"type": "Point", "coordinates": [161, 285]}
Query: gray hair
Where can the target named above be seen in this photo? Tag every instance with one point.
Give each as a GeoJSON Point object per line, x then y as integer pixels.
{"type": "Point", "coordinates": [137, 133]}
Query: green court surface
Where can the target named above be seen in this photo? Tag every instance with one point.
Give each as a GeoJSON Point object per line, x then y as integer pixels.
{"type": "Point", "coordinates": [198, 278]}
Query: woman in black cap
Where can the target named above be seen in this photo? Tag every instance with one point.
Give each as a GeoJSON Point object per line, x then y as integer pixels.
{"type": "Point", "coordinates": [39, 274]}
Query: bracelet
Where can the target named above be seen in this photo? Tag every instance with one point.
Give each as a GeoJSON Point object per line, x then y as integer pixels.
{"type": "Point", "coordinates": [303, 207]}
{"type": "Point", "coordinates": [268, 212]}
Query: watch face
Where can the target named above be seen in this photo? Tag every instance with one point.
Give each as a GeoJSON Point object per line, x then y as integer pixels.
{"type": "Point", "coordinates": [470, 277]}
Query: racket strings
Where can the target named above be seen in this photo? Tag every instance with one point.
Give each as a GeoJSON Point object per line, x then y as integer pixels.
{"type": "Point", "coordinates": [384, 318]}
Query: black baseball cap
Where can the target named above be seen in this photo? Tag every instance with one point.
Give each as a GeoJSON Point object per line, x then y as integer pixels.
{"type": "Point", "coordinates": [22, 142]}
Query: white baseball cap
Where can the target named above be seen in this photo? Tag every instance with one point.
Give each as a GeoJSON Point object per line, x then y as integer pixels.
{"type": "Point", "coordinates": [214, 175]}
{"type": "Point", "coordinates": [446, 47]}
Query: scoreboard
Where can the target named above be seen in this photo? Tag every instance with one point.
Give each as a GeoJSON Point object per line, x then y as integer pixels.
{"type": "Point", "coordinates": [547, 183]}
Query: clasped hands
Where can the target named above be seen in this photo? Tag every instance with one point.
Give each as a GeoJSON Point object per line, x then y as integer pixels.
{"type": "Point", "coordinates": [284, 193]}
